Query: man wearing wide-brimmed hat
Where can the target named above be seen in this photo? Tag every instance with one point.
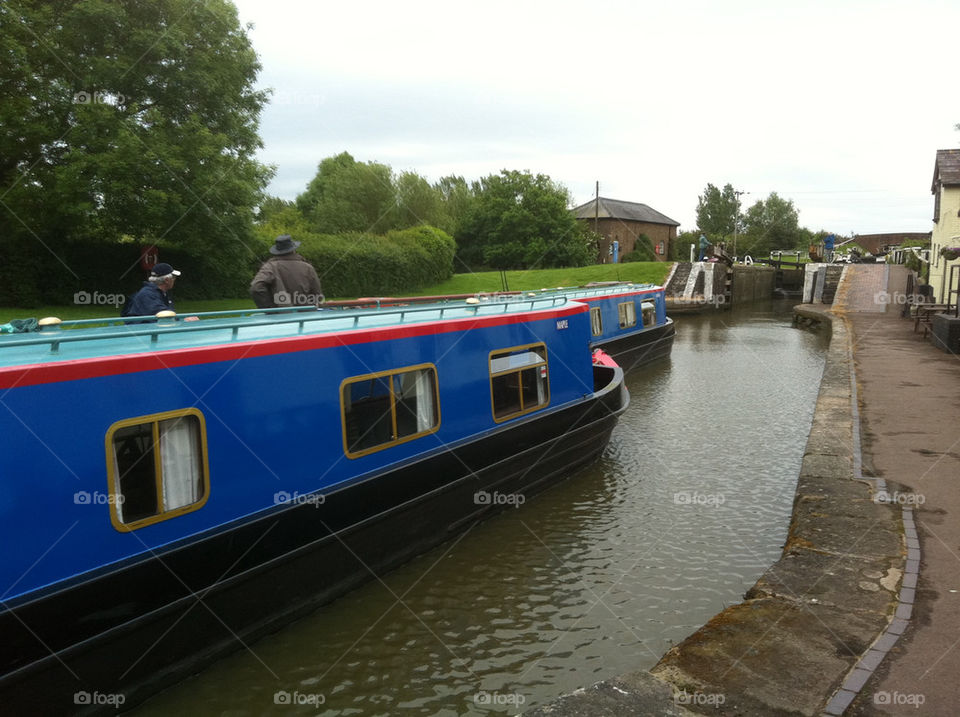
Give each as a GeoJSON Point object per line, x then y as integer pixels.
{"type": "Point", "coordinates": [154, 295]}
{"type": "Point", "coordinates": [286, 278]}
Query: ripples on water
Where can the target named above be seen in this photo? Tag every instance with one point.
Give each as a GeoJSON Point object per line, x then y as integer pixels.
{"type": "Point", "coordinates": [595, 577]}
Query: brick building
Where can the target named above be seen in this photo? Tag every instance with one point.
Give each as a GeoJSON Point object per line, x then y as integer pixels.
{"type": "Point", "coordinates": [623, 222]}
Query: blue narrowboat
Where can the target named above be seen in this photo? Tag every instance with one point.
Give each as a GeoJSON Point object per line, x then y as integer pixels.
{"type": "Point", "coordinates": [175, 489]}
{"type": "Point", "coordinates": [627, 321]}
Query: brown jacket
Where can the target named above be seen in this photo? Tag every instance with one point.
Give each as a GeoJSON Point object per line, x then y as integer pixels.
{"type": "Point", "coordinates": [286, 280]}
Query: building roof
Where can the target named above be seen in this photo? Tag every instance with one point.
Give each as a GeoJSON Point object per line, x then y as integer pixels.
{"type": "Point", "coordinates": [617, 209]}
{"type": "Point", "coordinates": [875, 243]}
{"type": "Point", "coordinates": [947, 168]}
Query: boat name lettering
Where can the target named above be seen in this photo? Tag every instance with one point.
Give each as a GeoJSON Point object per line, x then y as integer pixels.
{"type": "Point", "coordinates": [314, 499]}
{"type": "Point", "coordinates": [563, 324]}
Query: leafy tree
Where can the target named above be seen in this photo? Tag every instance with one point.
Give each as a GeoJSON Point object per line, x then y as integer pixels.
{"type": "Point", "coordinates": [346, 195]}
{"type": "Point", "coordinates": [519, 221]}
{"type": "Point", "coordinates": [127, 119]}
{"type": "Point", "coordinates": [457, 199]}
{"type": "Point", "coordinates": [416, 202]}
{"type": "Point", "coordinates": [770, 224]}
{"type": "Point", "coordinates": [717, 211]}
{"type": "Point", "coordinates": [680, 248]}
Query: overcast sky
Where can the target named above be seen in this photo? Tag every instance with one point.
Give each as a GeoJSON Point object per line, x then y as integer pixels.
{"type": "Point", "coordinates": [838, 105]}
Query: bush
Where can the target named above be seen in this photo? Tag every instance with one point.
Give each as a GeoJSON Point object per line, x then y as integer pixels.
{"type": "Point", "coordinates": [32, 276]}
{"type": "Point", "coordinates": [642, 250]}
{"type": "Point", "coordinates": [359, 264]}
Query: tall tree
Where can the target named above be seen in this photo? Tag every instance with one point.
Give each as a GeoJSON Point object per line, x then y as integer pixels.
{"type": "Point", "coordinates": [520, 220]}
{"type": "Point", "coordinates": [717, 212]}
{"type": "Point", "coordinates": [346, 195]}
{"type": "Point", "coordinates": [457, 198]}
{"type": "Point", "coordinates": [128, 118]}
{"type": "Point", "coordinates": [770, 224]}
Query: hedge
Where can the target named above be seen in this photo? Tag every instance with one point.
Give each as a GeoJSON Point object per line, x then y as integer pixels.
{"type": "Point", "coordinates": [370, 265]}
{"type": "Point", "coordinates": [32, 275]}
{"type": "Point", "coordinates": [349, 265]}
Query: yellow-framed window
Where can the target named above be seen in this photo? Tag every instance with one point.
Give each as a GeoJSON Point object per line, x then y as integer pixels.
{"type": "Point", "coordinates": [157, 467]}
{"type": "Point", "coordinates": [380, 410]}
{"type": "Point", "coordinates": [596, 322]}
{"type": "Point", "coordinates": [519, 381]}
{"type": "Point", "coordinates": [627, 313]}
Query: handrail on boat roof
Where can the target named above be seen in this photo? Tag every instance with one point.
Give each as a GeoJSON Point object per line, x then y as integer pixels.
{"type": "Point", "coordinates": [301, 316]}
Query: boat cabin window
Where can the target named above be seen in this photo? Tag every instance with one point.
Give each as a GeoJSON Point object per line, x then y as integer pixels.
{"type": "Point", "coordinates": [596, 322]}
{"type": "Point", "coordinates": [157, 467]}
{"type": "Point", "coordinates": [648, 313]}
{"type": "Point", "coordinates": [628, 314]}
{"type": "Point", "coordinates": [384, 409]}
{"type": "Point", "coordinates": [519, 381]}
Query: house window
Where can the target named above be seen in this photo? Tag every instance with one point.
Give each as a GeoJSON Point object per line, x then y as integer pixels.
{"type": "Point", "coordinates": [596, 322]}
{"type": "Point", "coordinates": [519, 381]}
{"type": "Point", "coordinates": [157, 467]}
{"type": "Point", "coordinates": [628, 315]}
{"type": "Point", "coordinates": [388, 408]}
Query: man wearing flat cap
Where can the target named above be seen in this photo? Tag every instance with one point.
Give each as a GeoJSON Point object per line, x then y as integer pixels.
{"type": "Point", "coordinates": [286, 278]}
{"type": "Point", "coordinates": [154, 295]}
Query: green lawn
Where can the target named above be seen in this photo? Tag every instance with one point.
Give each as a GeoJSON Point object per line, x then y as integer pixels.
{"type": "Point", "coordinates": [486, 281]}
{"type": "Point", "coordinates": [652, 272]}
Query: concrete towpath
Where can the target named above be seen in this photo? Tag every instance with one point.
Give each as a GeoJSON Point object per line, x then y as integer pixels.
{"type": "Point", "coordinates": [910, 416]}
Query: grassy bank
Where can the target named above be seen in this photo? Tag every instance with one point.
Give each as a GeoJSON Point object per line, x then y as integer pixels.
{"type": "Point", "coordinates": [485, 281]}
{"type": "Point", "coordinates": [653, 272]}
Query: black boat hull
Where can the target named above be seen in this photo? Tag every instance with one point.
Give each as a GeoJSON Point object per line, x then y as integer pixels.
{"type": "Point", "coordinates": [641, 348]}
{"type": "Point", "coordinates": [113, 639]}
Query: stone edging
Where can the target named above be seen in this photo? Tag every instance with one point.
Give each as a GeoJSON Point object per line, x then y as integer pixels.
{"type": "Point", "coordinates": [816, 623]}
{"type": "Point", "coordinates": [871, 659]}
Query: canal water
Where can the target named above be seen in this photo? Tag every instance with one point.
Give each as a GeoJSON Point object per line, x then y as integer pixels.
{"type": "Point", "coordinates": [597, 576]}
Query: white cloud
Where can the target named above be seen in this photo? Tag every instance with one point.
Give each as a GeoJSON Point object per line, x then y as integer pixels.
{"type": "Point", "coordinates": [839, 105]}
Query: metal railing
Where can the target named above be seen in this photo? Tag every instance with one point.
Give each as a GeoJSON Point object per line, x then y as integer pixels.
{"type": "Point", "coordinates": [82, 329]}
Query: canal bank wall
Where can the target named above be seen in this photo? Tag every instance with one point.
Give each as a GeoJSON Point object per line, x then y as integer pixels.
{"type": "Point", "coordinates": [698, 286]}
{"type": "Point", "coordinates": [818, 621]}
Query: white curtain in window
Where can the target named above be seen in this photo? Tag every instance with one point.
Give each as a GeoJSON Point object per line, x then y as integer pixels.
{"type": "Point", "coordinates": [116, 483]}
{"type": "Point", "coordinates": [541, 387]}
{"type": "Point", "coordinates": [424, 389]}
{"type": "Point", "coordinates": [180, 462]}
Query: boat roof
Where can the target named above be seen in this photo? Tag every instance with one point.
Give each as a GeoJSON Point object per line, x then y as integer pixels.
{"type": "Point", "coordinates": [96, 338]}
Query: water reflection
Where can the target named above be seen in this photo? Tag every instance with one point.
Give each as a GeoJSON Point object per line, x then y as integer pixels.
{"type": "Point", "coordinates": [595, 577]}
